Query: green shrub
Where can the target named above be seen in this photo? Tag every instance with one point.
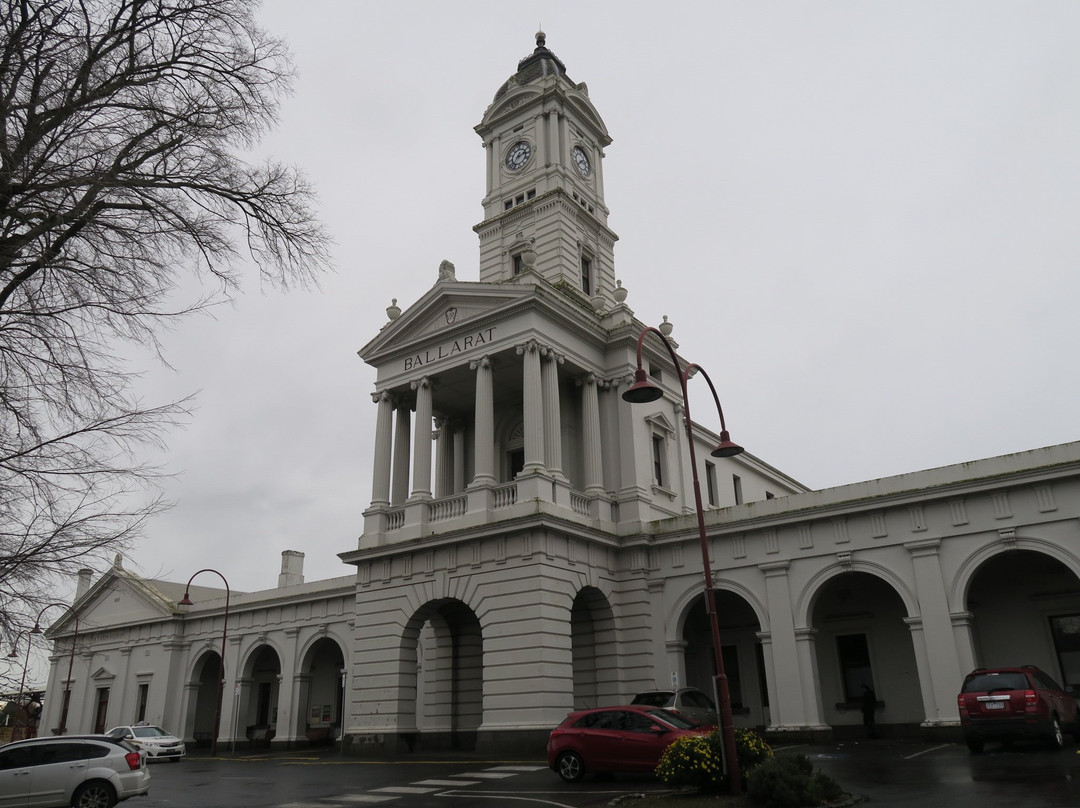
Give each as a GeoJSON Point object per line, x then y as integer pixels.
{"type": "Point", "coordinates": [790, 782]}
{"type": "Point", "coordinates": [696, 761]}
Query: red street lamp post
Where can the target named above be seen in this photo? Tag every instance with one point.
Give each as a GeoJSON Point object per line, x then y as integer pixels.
{"type": "Point", "coordinates": [644, 391]}
{"type": "Point", "coordinates": [186, 601]}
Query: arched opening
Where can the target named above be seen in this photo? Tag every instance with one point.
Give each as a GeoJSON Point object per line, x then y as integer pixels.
{"type": "Point", "coordinates": [862, 639]}
{"type": "Point", "coordinates": [593, 647]}
{"type": "Point", "coordinates": [1025, 609]}
{"type": "Point", "coordinates": [320, 708]}
{"type": "Point", "coordinates": [202, 705]}
{"type": "Point", "coordinates": [257, 701]}
{"type": "Point", "coordinates": [743, 662]}
{"type": "Point", "coordinates": [443, 663]}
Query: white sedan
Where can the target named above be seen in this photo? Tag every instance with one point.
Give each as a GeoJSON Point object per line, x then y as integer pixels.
{"type": "Point", "coordinates": [154, 741]}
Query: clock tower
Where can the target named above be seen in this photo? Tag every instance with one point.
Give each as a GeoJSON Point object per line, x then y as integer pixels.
{"type": "Point", "coordinates": [544, 210]}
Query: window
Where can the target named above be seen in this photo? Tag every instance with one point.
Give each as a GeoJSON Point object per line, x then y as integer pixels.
{"type": "Point", "coordinates": [64, 708]}
{"type": "Point", "coordinates": [736, 482]}
{"type": "Point", "coordinates": [655, 372]}
{"type": "Point", "coordinates": [586, 275]}
{"type": "Point", "coordinates": [102, 710]}
{"type": "Point", "coordinates": [770, 495]}
{"type": "Point", "coordinates": [262, 709]}
{"type": "Point", "coordinates": [658, 452]}
{"type": "Point", "coordinates": [519, 264]}
{"type": "Point", "coordinates": [1066, 633]}
{"type": "Point", "coordinates": [855, 670]}
{"type": "Point", "coordinates": [710, 482]}
{"type": "Point", "coordinates": [517, 462]}
{"type": "Point", "coordinates": [144, 692]}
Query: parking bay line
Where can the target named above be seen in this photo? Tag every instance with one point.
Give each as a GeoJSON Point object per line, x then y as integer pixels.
{"type": "Point", "coordinates": [924, 751]}
{"type": "Point", "coordinates": [459, 783]}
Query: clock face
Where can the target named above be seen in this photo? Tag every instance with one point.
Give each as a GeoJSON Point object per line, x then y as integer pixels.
{"type": "Point", "coordinates": [581, 160]}
{"type": "Point", "coordinates": [518, 155]}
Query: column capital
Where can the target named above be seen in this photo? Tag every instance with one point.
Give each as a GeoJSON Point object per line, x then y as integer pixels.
{"type": "Point", "coordinates": [423, 381]}
{"type": "Point", "coordinates": [381, 395]}
{"type": "Point", "coordinates": [591, 378]}
{"type": "Point", "coordinates": [483, 362]}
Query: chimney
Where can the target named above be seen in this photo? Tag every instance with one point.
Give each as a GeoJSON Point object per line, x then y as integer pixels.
{"type": "Point", "coordinates": [292, 569]}
{"type": "Point", "coordinates": [85, 576]}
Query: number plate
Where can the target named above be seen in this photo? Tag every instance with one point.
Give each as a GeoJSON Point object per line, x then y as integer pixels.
{"type": "Point", "coordinates": [995, 705]}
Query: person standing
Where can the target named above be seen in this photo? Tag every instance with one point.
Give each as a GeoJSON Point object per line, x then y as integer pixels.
{"type": "Point", "coordinates": [869, 705]}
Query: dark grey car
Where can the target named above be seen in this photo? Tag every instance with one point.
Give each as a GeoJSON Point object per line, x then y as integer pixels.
{"type": "Point", "coordinates": [688, 702]}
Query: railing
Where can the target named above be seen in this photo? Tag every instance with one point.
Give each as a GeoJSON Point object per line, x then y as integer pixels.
{"type": "Point", "coordinates": [448, 508]}
{"type": "Point", "coordinates": [580, 504]}
{"type": "Point", "coordinates": [505, 495]}
{"type": "Point", "coordinates": [395, 519]}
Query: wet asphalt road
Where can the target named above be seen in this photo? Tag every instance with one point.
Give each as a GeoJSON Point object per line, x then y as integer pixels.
{"type": "Point", "coordinates": [888, 774]}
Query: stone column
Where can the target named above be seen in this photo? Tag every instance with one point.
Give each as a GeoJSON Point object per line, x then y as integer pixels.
{"type": "Point", "coordinates": [401, 455]}
{"type": "Point", "coordinates": [533, 407]}
{"type": "Point", "coordinates": [384, 425]}
{"type": "Point", "coordinates": [806, 659]}
{"type": "Point", "coordinates": [288, 727]}
{"type": "Point", "coordinates": [792, 708]}
{"type": "Point", "coordinates": [549, 378]}
{"type": "Point", "coordinates": [594, 462]}
{"type": "Point", "coordinates": [484, 426]}
{"type": "Point", "coordinates": [421, 488]}
{"type": "Point", "coordinates": [939, 683]}
{"type": "Point", "coordinates": [459, 459]}
{"type": "Point", "coordinates": [444, 457]}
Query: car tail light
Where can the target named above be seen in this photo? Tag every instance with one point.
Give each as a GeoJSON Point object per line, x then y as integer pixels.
{"type": "Point", "coordinates": [961, 704]}
{"type": "Point", "coordinates": [134, 760]}
{"type": "Point", "coordinates": [1031, 701]}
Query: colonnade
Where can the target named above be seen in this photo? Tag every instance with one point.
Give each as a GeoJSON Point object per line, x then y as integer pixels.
{"type": "Point", "coordinates": [403, 444]}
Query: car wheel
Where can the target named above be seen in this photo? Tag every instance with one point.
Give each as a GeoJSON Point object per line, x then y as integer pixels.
{"type": "Point", "coordinates": [1057, 737]}
{"type": "Point", "coordinates": [94, 795]}
{"type": "Point", "coordinates": [974, 744]}
{"type": "Point", "coordinates": [570, 767]}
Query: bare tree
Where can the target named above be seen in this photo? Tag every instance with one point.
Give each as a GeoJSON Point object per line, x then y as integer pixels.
{"type": "Point", "coordinates": [121, 125]}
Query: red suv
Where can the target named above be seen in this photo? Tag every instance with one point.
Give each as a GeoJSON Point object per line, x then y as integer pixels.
{"type": "Point", "coordinates": [1003, 704]}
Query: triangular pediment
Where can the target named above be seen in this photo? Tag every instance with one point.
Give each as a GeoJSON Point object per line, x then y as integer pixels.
{"type": "Point", "coordinates": [102, 673]}
{"type": "Point", "coordinates": [118, 598]}
{"type": "Point", "coordinates": [453, 310]}
{"type": "Point", "coordinates": [661, 422]}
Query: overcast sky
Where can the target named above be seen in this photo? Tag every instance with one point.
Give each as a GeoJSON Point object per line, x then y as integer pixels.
{"type": "Point", "coordinates": [862, 219]}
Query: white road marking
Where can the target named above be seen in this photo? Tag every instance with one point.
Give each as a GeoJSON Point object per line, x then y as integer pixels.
{"type": "Point", "coordinates": [488, 775]}
{"type": "Point", "coordinates": [923, 752]}
{"type": "Point", "coordinates": [476, 795]}
{"type": "Point", "coordinates": [403, 790]}
{"type": "Point", "coordinates": [458, 783]}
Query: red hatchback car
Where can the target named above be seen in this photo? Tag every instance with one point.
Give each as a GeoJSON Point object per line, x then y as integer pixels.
{"type": "Point", "coordinates": [629, 738]}
{"type": "Point", "coordinates": [1004, 704]}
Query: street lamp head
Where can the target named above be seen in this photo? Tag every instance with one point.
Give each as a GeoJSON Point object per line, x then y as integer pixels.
{"type": "Point", "coordinates": [36, 629]}
{"type": "Point", "coordinates": [185, 601]}
{"type": "Point", "coordinates": [14, 653]}
{"type": "Point", "coordinates": [725, 448]}
{"type": "Point", "coordinates": [642, 391]}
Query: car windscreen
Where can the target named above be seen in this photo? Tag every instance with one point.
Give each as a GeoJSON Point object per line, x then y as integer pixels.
{"type": "Point", "coordinates": [672, 719]}
{"type": "Point", "coordinates": [149, 732]}
{"type": "Point", "coordinates": [652, 699]}
{"type": "Point", "coordinates": [985, 682]}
